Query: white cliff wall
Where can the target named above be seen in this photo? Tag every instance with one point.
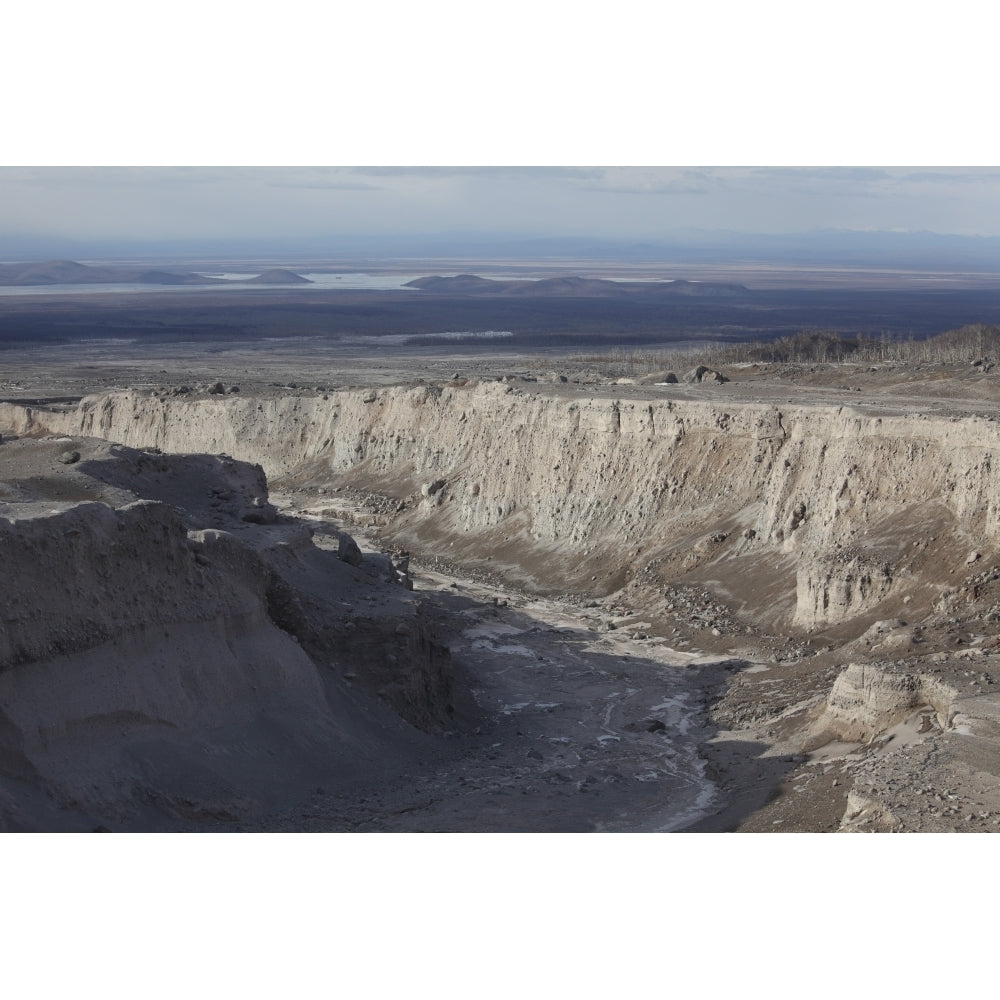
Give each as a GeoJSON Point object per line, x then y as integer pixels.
{"type": "Point", "coordinates": [822, 486]}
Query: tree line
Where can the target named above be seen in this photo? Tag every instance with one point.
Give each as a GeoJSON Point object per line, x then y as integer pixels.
{"type": "Point", "coordinates": [967, 344]}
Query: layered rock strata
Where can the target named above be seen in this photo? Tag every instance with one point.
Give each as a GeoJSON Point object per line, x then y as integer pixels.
{"type": "Point", "coordinates": [848, 508]}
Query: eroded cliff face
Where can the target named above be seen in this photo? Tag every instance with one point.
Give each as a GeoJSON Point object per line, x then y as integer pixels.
{"type": "Point", "coordinates": [868, 699]}
{"type": "Point", "coordinates": [157, 672]}
{"type": "Point", "coordinates": [846, 509]}
{"type": "Point", "coordinates": [131, 652]}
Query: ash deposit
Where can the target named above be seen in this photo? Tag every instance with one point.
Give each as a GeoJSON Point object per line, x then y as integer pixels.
{"type": "Point", "coordinates": [756, 599]}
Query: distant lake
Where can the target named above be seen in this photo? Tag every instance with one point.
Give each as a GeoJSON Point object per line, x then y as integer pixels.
{"type": "Point", "coordinates": [322, 281]}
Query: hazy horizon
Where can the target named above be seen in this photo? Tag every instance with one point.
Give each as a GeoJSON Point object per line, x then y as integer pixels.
{"type": "Point", "coordinates": [821, 248]}
{"type": "Point", "coordinates": [171, 211]}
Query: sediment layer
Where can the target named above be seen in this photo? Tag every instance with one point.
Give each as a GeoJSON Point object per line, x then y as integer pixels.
{"type": "Point", "coordinates": [848, 508]}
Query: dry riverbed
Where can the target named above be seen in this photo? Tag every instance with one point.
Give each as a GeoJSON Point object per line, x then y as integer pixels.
{"type": "Point", "coordinates": [583, 727]}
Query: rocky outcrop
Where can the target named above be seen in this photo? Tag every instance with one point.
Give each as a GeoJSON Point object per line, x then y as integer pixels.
{"type": "Point", "coordinates": [125, 640]}
{"type": "Point", "coordinates": [834, 588]}
{"type": "Point", "coordinates": [79, 578]}
{"type": "Point", "coordinates": [867, 699]}
{"type": "Point", "coordinates": [928, 732]}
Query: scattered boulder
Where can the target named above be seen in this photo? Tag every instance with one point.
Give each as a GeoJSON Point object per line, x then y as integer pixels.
{"type": "Point", "coordinates": [430, 490]}
{"type": "Point", "coordinates": [798, 515]}
{"type": "Point", "coordinates": [702, 374]}
{"type": "Point", "coordinates": [217, 390]}
{"type": "Point", "coordinates": [348, 551]}
{"type": "Point", "coordinates": [400, 563]}
{"type": "Point", "coordinates": [69, 457]}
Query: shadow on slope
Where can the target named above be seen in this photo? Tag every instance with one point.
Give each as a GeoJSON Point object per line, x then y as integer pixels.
{"type": "Point", "coordinates": [576, 736]}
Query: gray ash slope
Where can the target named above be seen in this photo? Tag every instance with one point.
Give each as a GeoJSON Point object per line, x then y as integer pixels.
{"type": "Point", "coordinates": [192, 658]}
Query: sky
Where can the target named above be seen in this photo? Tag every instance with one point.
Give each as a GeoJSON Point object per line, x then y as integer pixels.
{"type": "Point", "coordinates": [98, 204]}
{"type": "Point", "coordinates": [226, 87]}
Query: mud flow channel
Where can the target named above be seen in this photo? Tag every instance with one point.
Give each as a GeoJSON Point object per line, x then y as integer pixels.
{"type": "Point", "coordinates": [580, 732]}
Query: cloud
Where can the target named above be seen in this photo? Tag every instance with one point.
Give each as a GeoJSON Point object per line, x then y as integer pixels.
{"type": "Point", "coordinates": [721, 180]}
{"type": "Point", "coordinates": [827, 175]}
{"type": "Point", "coordinates": [514, 173]}
{"type": "Point", "coordinates": [323, 185]}
{"type": "Point", "coordinates": [653, 181]}
{"type": "Point", "coordinates": [151, 203]}
{"type": "Point", "coordinates": [954, 176]}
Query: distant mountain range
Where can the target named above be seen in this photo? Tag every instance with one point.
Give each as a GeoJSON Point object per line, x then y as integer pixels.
{"type": "Point", "coordinates": [69, 272]}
